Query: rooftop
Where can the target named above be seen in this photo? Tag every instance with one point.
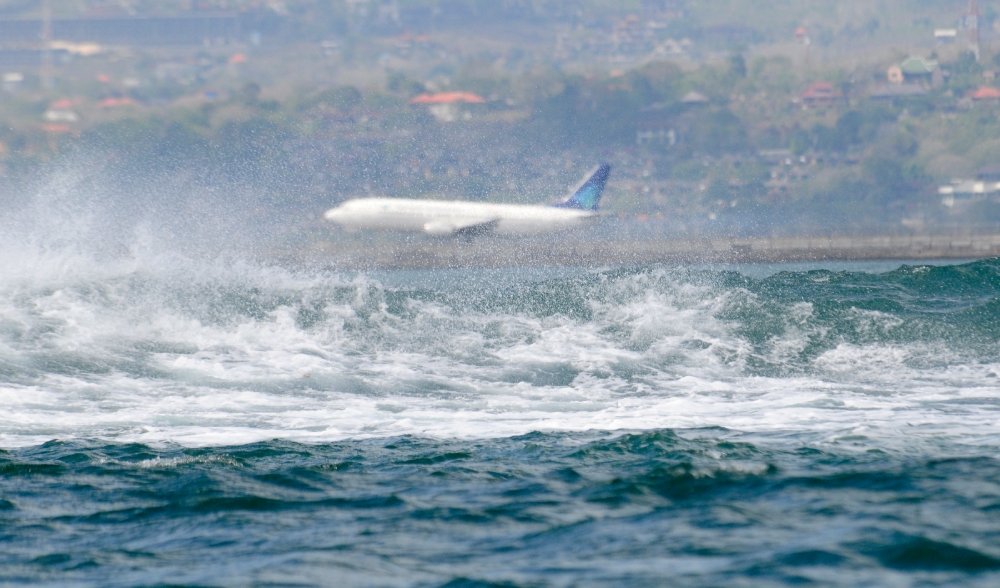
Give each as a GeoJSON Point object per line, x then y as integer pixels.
{"type": "Point", "coordinates": [448, 98]}
{"type": "Point", "coordinates": [986, 93]}
{"type": "Point", "coordinates": [917, 66]}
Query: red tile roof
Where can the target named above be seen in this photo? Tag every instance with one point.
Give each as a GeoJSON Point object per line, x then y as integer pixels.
{"type": "Point", "coordinates": [448, 98]}
{"type": "Point", "coordinates": [112, 102]}
{"type": "Point", "coordinates": [986, 93]}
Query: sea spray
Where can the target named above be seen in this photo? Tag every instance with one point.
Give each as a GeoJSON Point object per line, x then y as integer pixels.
{"type": "Point", "coordinates": [175, 410]}
{"type": "Point", "coordinates": [168, 348]}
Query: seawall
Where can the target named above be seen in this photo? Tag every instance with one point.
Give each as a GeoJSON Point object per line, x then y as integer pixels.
{"type": "Point", "coordinates": [496, 252]}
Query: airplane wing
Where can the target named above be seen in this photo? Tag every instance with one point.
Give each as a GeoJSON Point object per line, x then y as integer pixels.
{"type": "Point", "coordinates": [464, 226]}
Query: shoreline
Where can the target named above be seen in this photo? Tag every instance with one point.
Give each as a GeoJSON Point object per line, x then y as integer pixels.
{"type": "Point", "coordinates": [497, 252]}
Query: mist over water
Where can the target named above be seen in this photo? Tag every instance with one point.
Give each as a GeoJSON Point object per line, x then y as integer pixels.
{"type": "Point", "coordinates": [529, 425]}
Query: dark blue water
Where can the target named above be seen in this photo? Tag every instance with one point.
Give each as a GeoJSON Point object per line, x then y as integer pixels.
{"type": "Point", "coordinates": [168, 421]}
{"type": "Point", "coordinates": [702, 507]}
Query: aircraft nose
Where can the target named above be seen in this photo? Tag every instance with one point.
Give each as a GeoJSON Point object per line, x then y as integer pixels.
{"type": "Point", "coordinates": [334, 214]}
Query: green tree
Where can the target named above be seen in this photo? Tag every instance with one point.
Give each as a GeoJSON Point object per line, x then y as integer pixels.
{"type": "Point", "coordinates": [719, 131]}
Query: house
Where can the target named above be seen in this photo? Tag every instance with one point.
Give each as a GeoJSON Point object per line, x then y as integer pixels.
{"type": "Point", "coordinates": [448, 98]}
{"type": "Point", "coordinates": [673, 47]}
{"type": "Point", "coordinates": [915, 70]}
{"type": "Point", "coordinates": [986, 184]}
{"type": "Point", "coordinates": [820, 94]}
{"type": "Point", "coordinates": [81, 49]}
{"type": "Point", "coordinates": [63, 104]}
{"type": "Point", "coordinates": [945, 36]}
{"type": "Point", "coordinates": [444, 106]}
{"type": "Point", "coordinates": [970, 187]}
{"type": "Point", "coordinates": [986, 93]}
{"type": "Point", "coordinates": [918, 69]}
{"type": "Point", "coordinates": [656, 124]}
{"type": "Point", "coordinates": [962, 191]}
{"type": "Point", "coordinates": [60, 115]}
{"type": "Point", "coordinates": [12, 81]}
{"type": "Point", "coordinates": [62, 111]}
{"type": "Point", "coordinates": [115, 102]}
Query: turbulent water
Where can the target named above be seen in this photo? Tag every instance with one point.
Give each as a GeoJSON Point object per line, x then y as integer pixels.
{"type": "Point", "coordinates": [170, 420]}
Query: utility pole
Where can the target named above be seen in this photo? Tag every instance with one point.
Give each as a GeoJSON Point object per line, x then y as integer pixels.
{"type": "Point", "coordinates": [46, 70]}
{"type": "Point", "coordinates": [972, 23]}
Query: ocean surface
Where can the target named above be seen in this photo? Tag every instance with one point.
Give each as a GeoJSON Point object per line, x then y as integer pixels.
{"type": "Point", "coordinates": [167, 419]}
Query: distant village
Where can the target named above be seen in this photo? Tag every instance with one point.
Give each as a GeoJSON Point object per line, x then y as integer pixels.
{"type": "Point", "coordinates": [707, 122]}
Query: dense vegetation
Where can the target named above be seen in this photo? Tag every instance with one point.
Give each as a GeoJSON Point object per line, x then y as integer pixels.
{"type": "Point", "coordinates": [746, 145]}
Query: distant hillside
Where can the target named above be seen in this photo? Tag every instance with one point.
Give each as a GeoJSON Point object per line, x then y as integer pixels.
{"type": "Point", "coordinates": [844, 24]}
{"type": "Point", "coordinates": [829, 21]}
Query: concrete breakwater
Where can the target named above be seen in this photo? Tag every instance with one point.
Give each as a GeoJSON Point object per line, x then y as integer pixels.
{"type": "Point", "coordinates": [496, 252]}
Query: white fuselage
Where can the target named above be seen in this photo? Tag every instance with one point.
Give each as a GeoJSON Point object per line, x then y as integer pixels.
{"type": "Point", "coordinates": [442, 217]}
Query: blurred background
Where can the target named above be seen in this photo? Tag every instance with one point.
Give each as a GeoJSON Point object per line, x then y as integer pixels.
{"type": "Point", "coordinates": [724, 117]}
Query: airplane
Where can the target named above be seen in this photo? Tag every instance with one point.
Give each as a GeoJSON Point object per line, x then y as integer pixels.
{"type": "Point", "coordinates": [443, 218]}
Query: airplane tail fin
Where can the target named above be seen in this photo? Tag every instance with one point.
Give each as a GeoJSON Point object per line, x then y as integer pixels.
{"type": "Point", "coordinates": [588, 192]}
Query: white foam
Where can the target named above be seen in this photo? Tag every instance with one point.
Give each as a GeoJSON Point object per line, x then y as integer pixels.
{"type": "Point", "coordinates": [130, 350]}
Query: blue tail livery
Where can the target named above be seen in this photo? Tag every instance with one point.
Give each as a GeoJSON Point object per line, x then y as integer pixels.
{"type": "Point", "coordinates": [588, 193]}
